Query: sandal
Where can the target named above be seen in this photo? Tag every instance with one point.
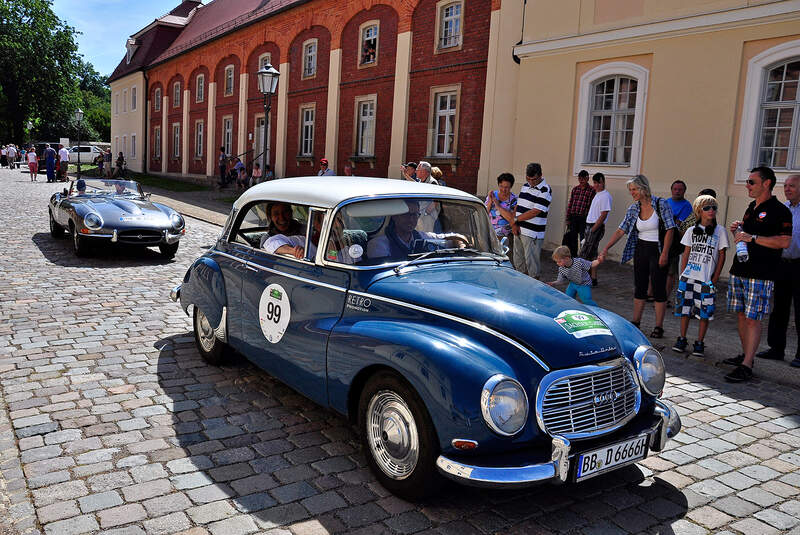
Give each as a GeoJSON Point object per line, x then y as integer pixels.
{"type": "Point", "coordinates": [658, 332]}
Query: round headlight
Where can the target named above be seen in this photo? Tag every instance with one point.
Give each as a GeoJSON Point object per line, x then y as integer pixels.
{"type": "Point", "coordinates": [504, 405]}
{"type": "Point", "coordinates": [176, 220]}
{"type": "Point", "coordinates": [650, 367]}
{"type": "Point", "coordinates": [92, 221]}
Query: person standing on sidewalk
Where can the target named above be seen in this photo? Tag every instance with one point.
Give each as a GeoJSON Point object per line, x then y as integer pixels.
{"type": "Point", "coordinates": [50, 162]}
{"type": "Point", "coordinates": [681, 209]}
{"type": "Point", "coordinates": [33, 164]}
{"type": "Point", "coordinates": [580, 199]}
{"type": "Point", "coordinates": [650, 228]}
{"type": "Point", "coordinates": [63, 162]}
{"type": "Point", "coordinates": [324, 170]}
{"type": "Point", "coordinates": [107, 157]}
{"type": "Point", "coordinates": [530, 221]}
{"type": "Point", "coordinates": [596, 222]}
{"type": "Point", "coordinates": [222, 165]}
{"type": "Point", "coordinates": [787, 283]}
{"type": "Point", "coordinates": [703, 258]}
{"type": "Point", "coordinates": [766, 230]}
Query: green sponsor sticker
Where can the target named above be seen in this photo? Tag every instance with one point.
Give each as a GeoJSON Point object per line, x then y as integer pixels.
{"type": "Point", "coordinates": [581, 324]}
{"type": "Point", "coordinates": [276, 294]}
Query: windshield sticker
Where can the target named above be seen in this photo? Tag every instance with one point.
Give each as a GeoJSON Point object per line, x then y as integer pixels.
{"type": "Point", "coordinates": [274, 313]}
{"type": "Point", "coordinates": [356, 251]}
{"type": "Point", "coordinates": [582, 324]}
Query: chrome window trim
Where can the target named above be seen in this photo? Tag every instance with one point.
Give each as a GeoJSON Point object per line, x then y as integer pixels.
{"type": "Point", "coordinates": [557, 375]}
{"type": "Point", "coordinates": [281, 273]}
{"type": "Point", "coordinates": [335, 211]}
{"type": "Point", "coordinates": [470, 323]}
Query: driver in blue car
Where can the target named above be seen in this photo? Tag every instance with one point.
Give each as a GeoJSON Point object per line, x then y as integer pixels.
{"type": "Point", "coordinates": [80, 187]}
{"type": "Point", "coordinates": [295, 245]}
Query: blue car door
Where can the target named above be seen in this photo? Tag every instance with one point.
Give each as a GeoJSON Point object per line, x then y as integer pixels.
{"type": "Point", "coordinates": [290, 307]}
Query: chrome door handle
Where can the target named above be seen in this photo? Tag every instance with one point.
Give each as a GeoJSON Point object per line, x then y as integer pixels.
{"type": "Point", "coordinates": [251, 268]}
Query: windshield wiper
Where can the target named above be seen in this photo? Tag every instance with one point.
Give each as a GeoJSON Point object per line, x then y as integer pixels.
{"type": "Point", "coordinates": [448, 250]}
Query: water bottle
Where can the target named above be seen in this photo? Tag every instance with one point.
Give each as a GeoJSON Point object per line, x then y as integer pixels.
{"type": "Point", "coordinates": [741, 248]}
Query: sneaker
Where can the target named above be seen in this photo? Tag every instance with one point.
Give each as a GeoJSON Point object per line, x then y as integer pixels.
{"type": "Point", "coordinates": [680, 345]}
{"type": "Point", "coordinates": [594, 283]}
{"type": "Point", "coordinates": [770, 354]}
{"type": "Point", "coordinates": [699, 349]}
{"type": "Point", "coordinates": [740, 374]}
{"type": "Point", "coordinates": [735, 361]}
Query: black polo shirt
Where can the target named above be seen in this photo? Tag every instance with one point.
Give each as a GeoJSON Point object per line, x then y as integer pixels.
{"type": "Point", "coordinates": [770, 218]}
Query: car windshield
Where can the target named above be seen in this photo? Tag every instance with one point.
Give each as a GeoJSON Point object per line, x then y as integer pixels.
{"type": "Point", "coordinates": [384, 231]}
{"type": "Point", "coordinates": [120, 188]}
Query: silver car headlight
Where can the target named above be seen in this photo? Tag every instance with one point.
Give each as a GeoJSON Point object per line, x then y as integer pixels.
{"type": "Point", "coordinates": [176, 220]}
{"type": "Point", "coordinates": [93, 221]}
{"type": "Point", "coordinates": [504, 405]}
{"type": "Point", "coordinates": [650, 368]}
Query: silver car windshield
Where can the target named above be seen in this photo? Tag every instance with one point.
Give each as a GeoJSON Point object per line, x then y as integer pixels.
{"type": "Point", "coordinates": [107, 187]}
{"type": "Point", "coordinates": [388, 231]}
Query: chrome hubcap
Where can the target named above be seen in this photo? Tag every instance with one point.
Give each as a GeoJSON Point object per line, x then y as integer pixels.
{"type": "Point", "coordinates": [205, 333]}
{"type": "Point", "coordinates": [392, 434]}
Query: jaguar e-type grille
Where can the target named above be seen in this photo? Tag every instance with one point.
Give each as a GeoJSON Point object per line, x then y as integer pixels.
{"type": "Point", "coordinates": [140, 236]}
{"type": "Point", "coordinates": [588, 404]}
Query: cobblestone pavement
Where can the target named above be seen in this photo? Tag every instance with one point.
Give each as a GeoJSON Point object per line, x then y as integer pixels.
{"type": "Point", "coordinates": [111, 422]}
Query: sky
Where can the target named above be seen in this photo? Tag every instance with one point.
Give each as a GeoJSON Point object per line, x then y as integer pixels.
{"type": "Point", "coordinates": [105, 26]}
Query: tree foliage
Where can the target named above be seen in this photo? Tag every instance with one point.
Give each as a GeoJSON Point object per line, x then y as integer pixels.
{"type": "Point", "coordinates": [43, 78]}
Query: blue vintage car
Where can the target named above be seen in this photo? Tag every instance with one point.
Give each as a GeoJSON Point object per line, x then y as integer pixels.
{"type": "Point", "coordinates": [393, 303]}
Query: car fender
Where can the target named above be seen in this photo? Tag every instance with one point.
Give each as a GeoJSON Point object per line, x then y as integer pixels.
{"type": "Point", "coordinates": [627, 335]}
{"type": "Point", "coordinates": [446, 368]}
{"type": "Point", "coordinates": [204, 287]}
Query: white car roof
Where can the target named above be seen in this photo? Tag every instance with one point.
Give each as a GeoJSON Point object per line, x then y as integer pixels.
{"type": "Point", "coordinates": [329, 191]}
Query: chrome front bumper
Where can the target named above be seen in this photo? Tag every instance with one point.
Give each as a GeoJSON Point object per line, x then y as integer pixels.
{"type": "Point", "coordinates": [558, 468]}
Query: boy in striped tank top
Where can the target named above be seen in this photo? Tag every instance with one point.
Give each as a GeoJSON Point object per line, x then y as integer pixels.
{"type": "Point", "coordinates": [576, 272]}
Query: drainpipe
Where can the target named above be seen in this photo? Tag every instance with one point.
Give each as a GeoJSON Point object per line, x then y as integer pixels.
{"type": "Point", "coordinates": [146, 136]}
{"type": "Point", "coordinates": [522, 32]}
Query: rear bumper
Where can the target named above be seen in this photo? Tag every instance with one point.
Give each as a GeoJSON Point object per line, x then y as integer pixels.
{"type": "Point", "coordinates": [666, 424]}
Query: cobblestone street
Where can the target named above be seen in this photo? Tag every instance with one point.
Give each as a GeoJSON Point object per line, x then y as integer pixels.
{"type": "Point", "coordinates": [111, 422]}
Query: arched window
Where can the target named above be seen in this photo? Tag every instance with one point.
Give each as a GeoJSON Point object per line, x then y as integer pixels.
{"type": "Point", "coordinates": [176, 95]}
{"type": "Point", "coordinates": [779, 124]}
{"type": "Point", "coordinates": [610, 121]}
{"type": "Point", "coordinates": [612, 116]}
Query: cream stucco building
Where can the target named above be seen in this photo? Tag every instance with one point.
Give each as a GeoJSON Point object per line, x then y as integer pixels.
{"type": "Point", "coordinates": [701, 90]}
{"type": "Point", "coordinates": [128, 119]}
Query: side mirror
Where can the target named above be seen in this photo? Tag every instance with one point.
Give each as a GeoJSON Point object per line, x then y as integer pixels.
{"type": "Point", "coordinates": [504, 244]}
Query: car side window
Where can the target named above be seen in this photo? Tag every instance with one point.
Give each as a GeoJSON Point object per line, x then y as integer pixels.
{"type": "Point", "coordinates": [253, 224]}
{"type": "Point", "coordinates": [263, 220]}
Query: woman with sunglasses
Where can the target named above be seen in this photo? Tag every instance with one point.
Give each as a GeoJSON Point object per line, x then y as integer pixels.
{"type": "Point", "coordinates": [650, 227]}
{"type": "Point", "coordinates": [703, 258]}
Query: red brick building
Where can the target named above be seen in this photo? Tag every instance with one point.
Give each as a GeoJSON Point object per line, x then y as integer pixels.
{"type": "Point", "coordinates": [372, 83]}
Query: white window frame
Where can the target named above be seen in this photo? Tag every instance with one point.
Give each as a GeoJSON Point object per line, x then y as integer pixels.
{"type": "Point", "coordinates": [303, 140]}
{"type": "Point", "coordinates": [227, 133]}
{"type": "Point", "coordinates": [440, 21]}
{"type": "Point", "coordinates": [124, 101]}
{"type": "Point", "coordinates": [229, 75]}
{"type": "Point", "coordinates": [200, 88]}
{"type": "Point", "coordinates": [360, 128]}
{"type": "Point", "coordinates": [116, 103]}
{"type": "Point", "coordinates": [199, 138]}
{"type": "Point", "coordinates": [176, 141]}
{"type": "Point", "coordinates": [133, 146]}
{"type": "Point", "coordinates": [176, 95]}
{"type": "Point", "coordinates": [362, 40]}
{"type": "Point", "coordinates": [133, 98]}
{"type": "Point", "coordinates": [583, 126]}
{"type": "Point", "coordinates": [157, 143]}
{"type": "Point", "coordinates": [157, 99]}
{"type": "Point", "coordinates": [265, 56]}
{"type": "Point", "coordinates": [749, 130]}
{"type": "Point", "coordinates": [305, 72]}
{"type": "Point", "coordinates": [434, 118]}
{"type": "Point", "coordinates": [613, 116]}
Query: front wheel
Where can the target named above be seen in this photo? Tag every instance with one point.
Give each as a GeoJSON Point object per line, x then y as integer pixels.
{"type": "Point", "coordinates": [211, 348]}
{"type": "Point", "coordinates": [398, 436]}
{"type": "Point", "coordinates": [56, 230]}
{"type": "Point", "coordinates": [168, 250]}
{"type": "Point", "coordinates": [79, 243]}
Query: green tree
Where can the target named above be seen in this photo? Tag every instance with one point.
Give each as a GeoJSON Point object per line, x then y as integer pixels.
{"type": "Point", "coordinates": [38, 68]}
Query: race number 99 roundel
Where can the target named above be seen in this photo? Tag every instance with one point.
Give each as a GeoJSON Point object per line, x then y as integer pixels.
{"type": "Point", "coordinates": [274, 312]}
{"type": "Point", "coordinates": [581, 324]}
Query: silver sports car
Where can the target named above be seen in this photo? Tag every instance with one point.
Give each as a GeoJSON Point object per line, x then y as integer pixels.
{"type": "Point", "coordinates": [97, 210]}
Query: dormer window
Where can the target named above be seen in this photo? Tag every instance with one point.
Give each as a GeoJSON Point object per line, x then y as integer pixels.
{"type": "Point", "coordinates": [131, 47]}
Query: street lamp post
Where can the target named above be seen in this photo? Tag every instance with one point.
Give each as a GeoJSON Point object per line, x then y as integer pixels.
{"type": "Point", "coordinates": [267, 84]}
{"type": "Point", "coordinates": [79, 118]}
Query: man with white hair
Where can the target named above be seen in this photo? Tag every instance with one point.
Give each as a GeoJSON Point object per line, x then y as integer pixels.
{"type": "Point", "coordinates": [787, 282]}
{"type": "Point", "coordinates": [424, 173]}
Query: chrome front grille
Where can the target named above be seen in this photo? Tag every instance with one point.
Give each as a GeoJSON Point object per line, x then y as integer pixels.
{"type": "Point", "coordinates": [140, 236]}
{"type": "Point", "coordinates": [588, 401]}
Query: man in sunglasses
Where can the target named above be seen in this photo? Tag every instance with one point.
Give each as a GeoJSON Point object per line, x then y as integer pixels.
{"type": "Point", "coordinates": [767, 230]}
{"type": "Point", "coordinates": [787, 282]}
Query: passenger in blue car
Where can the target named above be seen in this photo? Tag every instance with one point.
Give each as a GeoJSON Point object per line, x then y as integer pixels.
{"type": "Point", "coordinates": [295, 245]}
